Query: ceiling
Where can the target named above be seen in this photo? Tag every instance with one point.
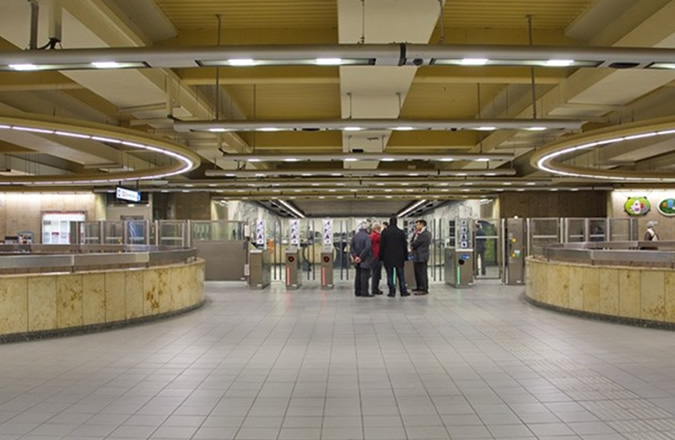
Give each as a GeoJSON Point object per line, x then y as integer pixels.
{"type": "Point", "coordinates": [150, 100]}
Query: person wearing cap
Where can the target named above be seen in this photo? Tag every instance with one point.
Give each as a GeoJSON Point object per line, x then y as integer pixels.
{"type": "Point", "coordinates": [650, 233]}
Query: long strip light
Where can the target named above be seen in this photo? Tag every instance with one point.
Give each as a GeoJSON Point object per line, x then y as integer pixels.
{"type": "Point", "coordinates": [545, 159]}
{"type": "Point", "coordinates": [188, 160]}
{"type": "Point", "coordinates": [354, 157]}
{"type": "Point", "coordinates": [411, 208]}
{"type": "Point", "coordinates": [359, 173]}
{"type": "Point", "coordinates": [337, 55]}
{"type": "Point", "coordinates": [291, 208]}
{"type": "Point", "coordinates": [352, 125]}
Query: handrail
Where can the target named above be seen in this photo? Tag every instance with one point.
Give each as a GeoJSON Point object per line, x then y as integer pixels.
{"type": "Point", "coordinates": [18, 258]}
{"type": "Point", "coordinates": [617, 253]}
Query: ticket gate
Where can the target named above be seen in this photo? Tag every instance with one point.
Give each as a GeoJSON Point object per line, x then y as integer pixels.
{"type": "Point", "coordinates": [459, 267]}
{"type": "Point", "coordinates": [515, 251]}
{"type": "Point", "coordinates": [260, 272]}
{"type": "Point", "coordinates": [409, 273]}
{"type": "Point", "coordinates": [293, 279]}
{"type": "Point", "coordinates": [327, 268]}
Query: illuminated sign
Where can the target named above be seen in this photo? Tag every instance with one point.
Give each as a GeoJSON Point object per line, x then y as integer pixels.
{"type": "Point", "coordinates": [127, 194]}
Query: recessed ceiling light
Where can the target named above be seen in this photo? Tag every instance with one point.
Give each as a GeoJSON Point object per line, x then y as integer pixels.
{"type": "Point", "coordinates": [24, 67]}
{"type": "Point", "coordinates": [241, 62]}
{"type": "Point", "coordinates": [350, 159]}
{"type": "Point", "coordinates": [447, 159]}
{"type": "Point", "coordinates": [482, 159]}
{"type": "Point", "coordinates": [403, 128]}
{"type": "Point", "coordinates": [269, 129]}
{"type": "Point", "coordinates": [336, 174]}
{"type": "Point", "coordinates": [474, 61]}
{"type": "Point", "coordinates": [536, 129]}
{"type": "Point", "coordinates": [531, 183]}
{"type": "Point", "coordinates": [559, 63]}
{"type": "Point", "coordinates": [254, 159]}
{"type": "Point", "coordinates": [506, 183]}
{"type": "Point", "coordinates": [352, 129]}
{"type": "Point", "coordinates": [460, 174]}
{"type": "Point", "coordinates": [217, 130]}
{"type": "Point", "coordinates": [388, 159]}
{"type": "Point", "coordinates": [329, 61]}
{"type": "Point", "coordinates": [106, 64]}
{"type": "Point", "coordinates": [486, 128]}
{"type": "Point", "coordinates": [306, 174]}
{"type": "Point", "coordinates": [413, 174]}
{"type": "Point", "coordinates": [290, 159]}
{"type": "Point", "coordinates": [383, 174]}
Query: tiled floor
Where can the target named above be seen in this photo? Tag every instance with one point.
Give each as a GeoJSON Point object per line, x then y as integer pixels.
{"type": "Point", "coordinates": [472, 364]}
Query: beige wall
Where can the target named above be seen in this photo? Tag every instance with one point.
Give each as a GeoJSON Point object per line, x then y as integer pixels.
{"type": "Point", "coordinates": [666, 225]}
{"type": "Point", "coordinates": [192, 206]}
{"type": "Point", "coordinates": [23, 211]}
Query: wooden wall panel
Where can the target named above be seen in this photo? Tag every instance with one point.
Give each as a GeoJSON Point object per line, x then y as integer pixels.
{"type": "Point", "coordinates": [553, 204]}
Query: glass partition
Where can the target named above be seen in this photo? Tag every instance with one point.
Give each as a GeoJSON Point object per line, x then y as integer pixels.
{"type": "Point", "coordinates": [113, 232]}
{"type": "Point", "coordinates": [137, 232]}
{"type": "Point", "coordinates": [622, 229]}
{"type": "Point", "coordinates": [575, 230]}
{"type": "Point", "coordinates": [487, 255]}
{"type": "Point", "coordinates": [542, 231]}
{"type": "Point", "coordinates": [91, 232]}
{"type": "Point", "coordinates": [171, 233]}
{"type": "Point", "coordinates": [217, 230]}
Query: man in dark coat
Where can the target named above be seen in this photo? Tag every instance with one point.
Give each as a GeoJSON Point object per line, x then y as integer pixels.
{"type": "Point", "coordinates": [362, 256]}
{"type": "Point", "coordinates": [420, 251]}
{"type": "Point", "coordinates": [394, 253]}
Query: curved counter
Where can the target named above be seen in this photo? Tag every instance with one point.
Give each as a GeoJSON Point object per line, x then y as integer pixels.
{"type": "Point", "coordinates": [620, 281]}
{"type": "Point", "coordinates": [87, 288]}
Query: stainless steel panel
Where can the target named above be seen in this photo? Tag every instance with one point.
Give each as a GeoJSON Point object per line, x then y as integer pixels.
{"type": "Point", "coordinates": [515, 251]}
{"type": "Point", "coordinates": [293, 279]}
{"type": "Point", "coordinates": [224, 260]}
{"type": "Point", "coordinates": [459, 267]}
{"type": "Point", "coordinates": [327, 268]}
{"type": "Point", "coordinates": [260, 272]}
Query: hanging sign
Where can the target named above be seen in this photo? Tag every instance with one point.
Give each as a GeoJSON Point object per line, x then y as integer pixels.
{"type": "Point", "coordinates": [260, 232]}
{"type": "Point", "coordinates": [294, 232]}
{"type": "Point", "coordinates": [666, 207]}
{"type": "Point", "coordinates": [637, 206]}
{"type": "Point", "coordinates": [328, 231]}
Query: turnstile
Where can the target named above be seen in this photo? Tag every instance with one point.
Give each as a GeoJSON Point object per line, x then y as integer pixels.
{"type": "Point", "coordinates": [327, 268]}
{"type": "Point", "coordinates": [459, 267]}
{"type": "Point", "coordinates": [515, 251]}
{"type": "Point", "coordinates": [260, 272]}
{"type": "Point", "coordinates": [409, 273]}
{"type": "Point", "coordinates": [293, 279]}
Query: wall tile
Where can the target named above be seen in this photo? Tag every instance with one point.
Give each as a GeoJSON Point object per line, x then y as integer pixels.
{"type": "Point", "coordinates": [13, 304]}
{"type": "Point", "coordinates": [629, 293]}
{"type": "Point", "coordinates": [576, 293]}
{"type": "Point", "coordinates": [669, 292]}
{"type": "Point", "coordinates": [69, 301]}
{"type": "Point", "coordinates": [653, 299]}
{"type": "Point", "coordinates": [609, 291]}
{"type": "Point", "coordinates": [591, 289]}
{"type": "Point", "coordinates": [114, 297]}
{"type": "Point", "coordinates": [93, 298]}
{"type": "Point", "coordinates": [134, 293]}
{"type": "Point", "coordinates": [41, 302]}
{"type": "Point", "coordinates": [150, 292]}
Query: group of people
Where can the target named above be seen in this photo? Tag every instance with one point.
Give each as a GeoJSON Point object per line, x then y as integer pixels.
{"type": "Point", "coordinates": [389, 247]}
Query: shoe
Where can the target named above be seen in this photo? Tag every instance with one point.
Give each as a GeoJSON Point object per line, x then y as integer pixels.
{"type": "Point", "coordinates": [379, 292]}
{"type": "Point", "coordinates": [357, 294]}
{"type": "Point", "coordinates": [419, 292]}
{"type": "Point", "coordinates": [367, 296]}
{"type": "Point", "coordinates": [405, 294]}
{"type": "Point", "coordinates": [390, 295]}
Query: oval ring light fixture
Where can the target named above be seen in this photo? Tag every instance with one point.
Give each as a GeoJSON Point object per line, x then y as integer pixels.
{"type": "Point", "coordinates": [182, 159]}
{"type": "Point", "coordinates": [545, 159]}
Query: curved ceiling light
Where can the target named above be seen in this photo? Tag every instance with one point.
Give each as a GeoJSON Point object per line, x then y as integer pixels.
{"type": "Point", "coordinates": [337, 55]}
{"type": "Point", "coordinates": [378, 124]}
{"type": "Point", "coordinates": [182, 159]}
{"type": "Point", "coordinates": [353, 157]}
{"type": "Point", "coordinates": [545, 159]}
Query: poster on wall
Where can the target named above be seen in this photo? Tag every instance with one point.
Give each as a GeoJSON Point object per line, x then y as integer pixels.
{"type": "Point", "coordinates": [260, 232]}
{"type": "Point", "coordinates": [666, 207]}
{"type": "Point", "coordinates": [327, 231]}
{"type": "Point", "coordinates": [637, 206]}
{"type": "Point", "coordinates": [294, 232]}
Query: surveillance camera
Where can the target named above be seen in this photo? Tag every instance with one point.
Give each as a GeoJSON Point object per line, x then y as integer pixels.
{"type": "Point", "coordinates": [418, 61]}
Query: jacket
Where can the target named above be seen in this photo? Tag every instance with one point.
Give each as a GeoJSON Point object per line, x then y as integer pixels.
{"type": "Point", "coordinates": [375, 241]}
{"type": "Point", "coordinates": [420, 246]}
{"type": "Point", "coordinates": [393, 247]}
{"type": "Point", "coordinates": [363, 248]}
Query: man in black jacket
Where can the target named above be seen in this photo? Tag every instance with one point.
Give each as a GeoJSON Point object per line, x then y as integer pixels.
{"type": "Point", "coordinates": [362, 257]}
{"type": "Point", "coordinates": [394, 253]}
{"type": "Point", "coordinates": [420, 250]}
